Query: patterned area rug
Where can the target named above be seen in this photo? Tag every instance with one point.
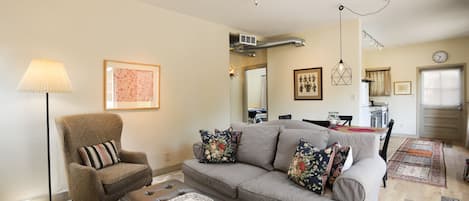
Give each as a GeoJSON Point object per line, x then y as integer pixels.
{"type": "Point", "coordinates": [419, 160]}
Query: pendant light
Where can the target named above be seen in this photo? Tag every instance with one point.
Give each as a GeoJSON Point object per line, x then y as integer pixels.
{"type": "Point", "coordinates": [341, 73]}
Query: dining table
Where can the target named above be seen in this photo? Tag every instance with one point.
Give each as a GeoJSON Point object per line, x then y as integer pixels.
{"type": "Point", "coordinates": [362, 130]}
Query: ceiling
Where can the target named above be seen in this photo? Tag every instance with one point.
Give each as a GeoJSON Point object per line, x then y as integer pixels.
{"type": "Point", "coordinates": [402, 22]}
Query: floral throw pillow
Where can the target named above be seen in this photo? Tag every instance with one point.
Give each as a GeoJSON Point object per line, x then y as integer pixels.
{"type": "Point", "coordinates": [217, 147]}
{"type": "Point", "coordinates": [310, 166]}
{"type": "Point", "coordinates": [235, 138]}
{"type": "Point", "coordinates": [342, 161]}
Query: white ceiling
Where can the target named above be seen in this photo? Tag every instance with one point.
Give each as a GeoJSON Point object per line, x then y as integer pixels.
{"type": "Point", "coordinates": [402, 22]}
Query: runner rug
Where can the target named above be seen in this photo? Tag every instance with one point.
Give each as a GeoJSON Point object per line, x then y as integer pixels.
{"type": "Point", "coordinates": [419, 160]}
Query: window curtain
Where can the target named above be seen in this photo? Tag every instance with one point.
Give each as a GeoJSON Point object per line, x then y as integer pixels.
{"type": "Point", "coordinates": [381, 82]}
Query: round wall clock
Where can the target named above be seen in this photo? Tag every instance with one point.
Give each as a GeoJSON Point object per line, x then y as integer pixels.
{"type": "Point", "coordinates": [440, 56]}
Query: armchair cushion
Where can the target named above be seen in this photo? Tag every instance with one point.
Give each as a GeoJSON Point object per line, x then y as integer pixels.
{"type": "Point", "coordinates": [100, 155]}
{"type": "Point", "coordinates": [115, 178]}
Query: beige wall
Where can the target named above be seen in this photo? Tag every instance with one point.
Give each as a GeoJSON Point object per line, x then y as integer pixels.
{"type": "Point", "coordinates": [404, 62]}
{"type": "Point", "coordinates": [194, 82]}
{"type": "Point", "coordinates": [239, 62]}
{"type": "Point", "coordinates": [321, 50]}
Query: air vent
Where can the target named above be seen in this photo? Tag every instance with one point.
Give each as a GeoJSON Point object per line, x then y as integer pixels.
{"type": "Point", "coordinates": [247, 39]}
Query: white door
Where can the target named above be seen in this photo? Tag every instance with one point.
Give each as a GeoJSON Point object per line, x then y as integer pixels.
{"type": "Point", "coordinates": [441, 103]}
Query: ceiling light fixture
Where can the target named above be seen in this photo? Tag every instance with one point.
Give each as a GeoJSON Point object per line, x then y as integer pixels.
{"type": "Point", "coordinates": [256, 3]}
{"type": "Point", "coordinates": [341, 73]}
{"type": "Point", "coordinates": [372, 41]}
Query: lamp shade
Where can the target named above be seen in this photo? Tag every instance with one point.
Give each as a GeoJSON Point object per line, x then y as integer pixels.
{"type": "Point", "coordinates": [45, 75]}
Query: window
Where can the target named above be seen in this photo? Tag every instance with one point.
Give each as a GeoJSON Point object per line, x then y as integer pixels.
{"type": "Point", "coordinates": [380, 81]}
{"type": "Point", "coordinates": [441, 87]}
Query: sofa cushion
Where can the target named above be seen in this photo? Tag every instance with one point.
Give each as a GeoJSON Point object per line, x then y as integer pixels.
{"type": "Point", "coordinates": [364, 145]}
{"type": "Point", "coordinates": [258, 144]}
{"type": "Point", "coordinates": [275, 186]}
{"type": "Point", "coordinates": [116, 177]}
{"type": "Point", "coordinates": [224, 178]}
{"type": "Point", "coordinates": [217, 147]}
{"type": "Point", "coordinates": [311, 166]}
{"type": "Point", "coordinates": [343, 160]}
{"type": "Point", "coordinates": [289, 139]}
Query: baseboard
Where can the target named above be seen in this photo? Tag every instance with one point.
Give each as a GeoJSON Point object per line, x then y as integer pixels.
{"type": "Point", "coordinates": [161, 171]}
{"type": "Point", "coordinates": [61, 196]}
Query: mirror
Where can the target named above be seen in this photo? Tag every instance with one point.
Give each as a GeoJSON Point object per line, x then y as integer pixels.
{"type": "Point", "coordinates": [256, 94]}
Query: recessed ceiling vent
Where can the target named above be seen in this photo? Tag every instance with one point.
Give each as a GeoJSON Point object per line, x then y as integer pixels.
{"type": "Point", "coordinates": [247, 39]}
{"type": "Point", "coordinates": [247, 44]}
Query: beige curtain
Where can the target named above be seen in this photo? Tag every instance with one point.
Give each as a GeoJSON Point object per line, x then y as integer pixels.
{"type": "Point", "coordinates": [381, 82]}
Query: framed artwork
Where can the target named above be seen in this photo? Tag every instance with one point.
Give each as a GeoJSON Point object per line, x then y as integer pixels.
{"type": "Point", "coordinates": [403, 88]}
{"type": "Point", "coordinates": [308, 84]}
{"type": "Point", "coordinates": [131, 86]}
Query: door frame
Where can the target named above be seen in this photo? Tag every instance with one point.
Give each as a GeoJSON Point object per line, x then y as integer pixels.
{"type": "Point", "coordinates": [245, 88]}
{"type": "Point", "coordinates": [418, 86]}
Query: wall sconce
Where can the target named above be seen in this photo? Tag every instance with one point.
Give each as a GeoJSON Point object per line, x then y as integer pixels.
{"type": "Point", "coordinates": [232, 71]}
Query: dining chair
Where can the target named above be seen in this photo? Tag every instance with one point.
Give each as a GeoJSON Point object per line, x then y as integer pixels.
{"type": "Point", "coordinates": [347, 119]}
{"type": "Point", "coordinates": [384, 151]}
{"type": "Point", "coordinates": [320, 123]}
{"type": "Point", "coordinates": [286, 116]}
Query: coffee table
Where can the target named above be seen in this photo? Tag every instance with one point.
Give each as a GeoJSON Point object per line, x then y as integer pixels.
{"type": "Point", "coordinates": [172, 190]}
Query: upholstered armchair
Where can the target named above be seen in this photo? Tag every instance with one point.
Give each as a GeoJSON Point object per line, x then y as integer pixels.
{"type": "Point", "coordinates": [107, 184]}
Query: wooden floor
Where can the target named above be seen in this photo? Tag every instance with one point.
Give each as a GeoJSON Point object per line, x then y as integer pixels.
{"type": "Point", "coordinates": [400, 190]}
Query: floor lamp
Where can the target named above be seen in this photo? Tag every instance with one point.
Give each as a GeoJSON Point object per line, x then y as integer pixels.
{"type": "Point", "coordinates": [46, 76]}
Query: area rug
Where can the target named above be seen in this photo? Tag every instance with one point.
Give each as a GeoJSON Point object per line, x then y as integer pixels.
{"type": "Point", "coordinates": [419, 160]}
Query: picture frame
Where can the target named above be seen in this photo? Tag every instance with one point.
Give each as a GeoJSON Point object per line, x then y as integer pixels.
{"type": "Point", "coordinates": [403, 88]}
{"type": "Point", "coordinates": [307, 84]}
{"type": "Point", "coordinates": [131, 85]}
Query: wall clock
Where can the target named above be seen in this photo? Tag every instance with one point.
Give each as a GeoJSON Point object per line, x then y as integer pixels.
{"type": "Point", "coordinates": [440, 56]}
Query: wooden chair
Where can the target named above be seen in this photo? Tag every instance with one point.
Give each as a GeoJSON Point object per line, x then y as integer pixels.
{"type": "Point", "coordinates": [384, 151]}
{"type": "Point", "coordinates": [346, 119]}
{"type": "Point", "coordinates": [286, 116]}
{"type": "Point", "coordinates": [320, 123]}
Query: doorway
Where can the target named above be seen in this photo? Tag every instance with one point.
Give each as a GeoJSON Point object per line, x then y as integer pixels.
{"type": "Point", "coordinates": [441, 102]}
{"type": "Point", "coordinates": [255, 106]}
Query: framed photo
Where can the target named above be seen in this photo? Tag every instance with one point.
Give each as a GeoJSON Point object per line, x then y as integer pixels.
{"type": "Point", "coordinates": [403, 88]}
{"type": "Point", "coordinates": [308, 84]}
{"type": "Point", "coordinates": [131, 86]}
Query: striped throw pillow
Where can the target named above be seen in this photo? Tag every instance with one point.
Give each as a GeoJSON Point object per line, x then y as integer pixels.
{"type": "Point", "coordinates": [100, 155]}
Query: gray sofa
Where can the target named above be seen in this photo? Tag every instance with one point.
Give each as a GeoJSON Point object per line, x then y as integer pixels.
{"type": "Point", "coordinates": [264, 155]}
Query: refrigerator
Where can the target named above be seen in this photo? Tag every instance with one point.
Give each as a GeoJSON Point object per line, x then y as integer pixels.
{"type": "Point", "coordinates": [365, 113]}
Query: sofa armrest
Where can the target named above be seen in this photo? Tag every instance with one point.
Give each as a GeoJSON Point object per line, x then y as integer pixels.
{"type": "Point", "coordinates": [85, 183]}
{"type": "Point", "coordinates": [133, 157]}
{"type": "Point", "coordinates": [198, 150]}
{"type": "Point", "coordinates": [361, 182]}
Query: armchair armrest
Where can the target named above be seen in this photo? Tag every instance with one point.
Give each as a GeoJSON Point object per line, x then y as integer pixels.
{"type": "Point", "coordinates": [198, 150]}
{"type": "Point", "coordinates": [84, 183]}
{"type": "Point", "coordinates": [133, 157]}
{"type": "Point", "coordinates": [361, 182]}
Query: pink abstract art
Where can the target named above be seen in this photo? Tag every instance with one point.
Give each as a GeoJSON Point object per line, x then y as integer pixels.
{"type": "Point", "coordinates": [133, 85]}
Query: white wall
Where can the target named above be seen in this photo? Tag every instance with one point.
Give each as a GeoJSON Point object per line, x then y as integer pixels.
{"type": "Point", "coordinates": [194, 81]}
{"type": "Point", "coordinates": [321, 50]}
{"type": "Point", "coordinates": [254, 79]}
{"type": "Point", "coordinates": [404, 61]}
